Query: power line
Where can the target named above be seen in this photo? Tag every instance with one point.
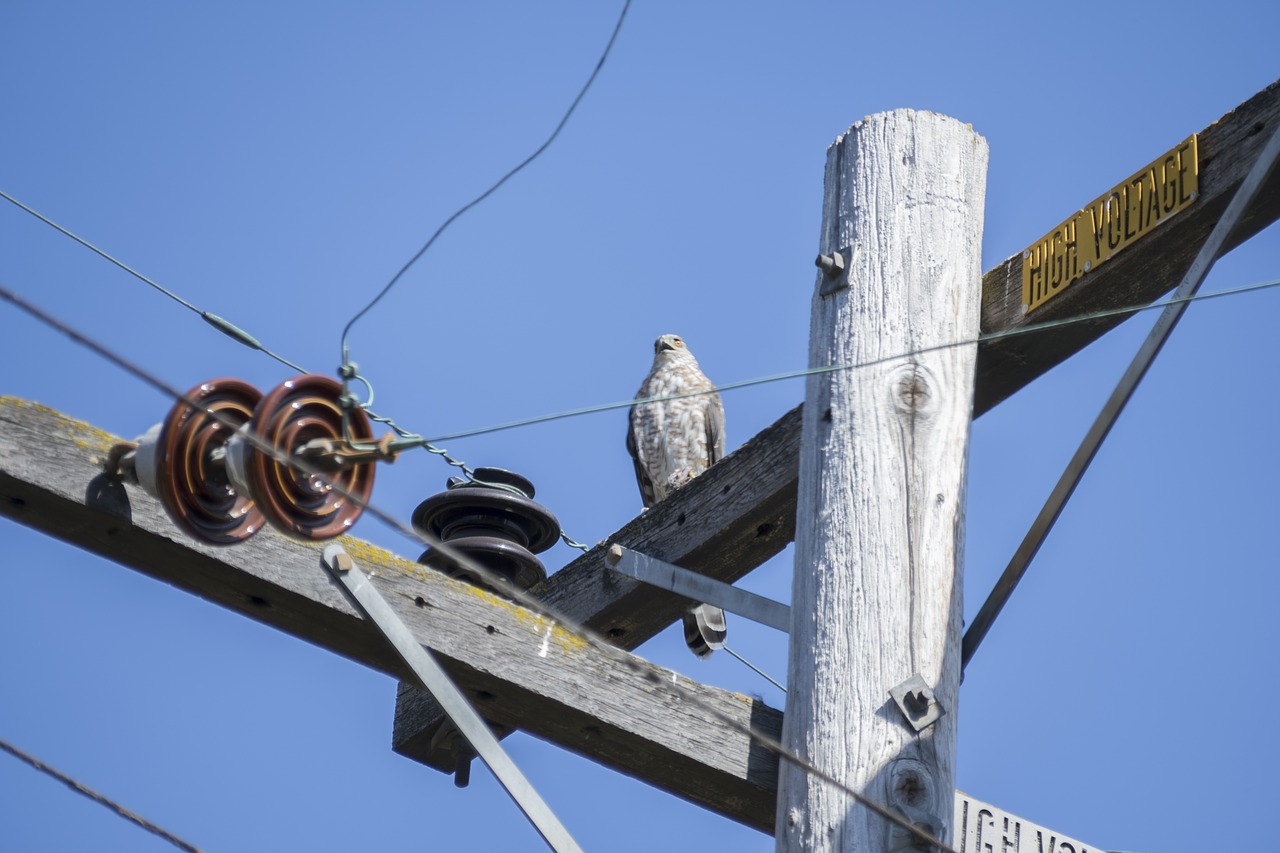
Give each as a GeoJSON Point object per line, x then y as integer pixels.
{"type": "Point", "coordinates": [226, 327]}
{"type": "Point", "coordinates": [588, 636]}
{"type": "Point", "coordinates": [835, 368]}
{"type": "Point", "coordinates": [85, 790]}
{"type": "Point", "coordinates": [1032, 328]}
{"type": "Point", "coordinates": [235, 332]}
{"type": "Point", "coordinates": [478, 199]}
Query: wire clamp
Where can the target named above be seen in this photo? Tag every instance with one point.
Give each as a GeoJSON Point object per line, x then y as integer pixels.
{"type": "Point", "coordinates": [336, 454]}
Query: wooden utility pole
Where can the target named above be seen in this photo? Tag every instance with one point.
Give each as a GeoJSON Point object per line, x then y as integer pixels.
{"type": "Point", "coordinates": [876, 599]}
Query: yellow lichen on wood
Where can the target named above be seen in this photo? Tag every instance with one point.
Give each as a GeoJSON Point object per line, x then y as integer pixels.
{"type": "Point", "coordinates": [83, 435]}
{"type": "Point", "coordinates": [538, 624]}
{"type": "Point", "coordinates": [376, 559]}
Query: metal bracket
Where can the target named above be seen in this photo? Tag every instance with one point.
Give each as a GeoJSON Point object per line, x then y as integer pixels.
{"type": "Point", "coordinates": [451, 700]}
{"type": "Point", "coordinates": [701, 588]}
{"type": "Point", "coordinates": [836, 269]}
{"type": "Point", "coordinates": [916, 701]}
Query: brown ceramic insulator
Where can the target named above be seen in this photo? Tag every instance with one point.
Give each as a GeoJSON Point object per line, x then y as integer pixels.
{"type": "Point", "coordinates": [494, 527]}
{"type": "Point", "coordinates": [301, 505]}
{"type": "Point", "coordinates": [191, 472]}
{"type": "Point", "coordinates": [511, 564]}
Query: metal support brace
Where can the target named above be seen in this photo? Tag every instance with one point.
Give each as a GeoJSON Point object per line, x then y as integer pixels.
{"type": "Point", "coordinates": [1195, 275]}
{"type": "Point", "coordinates": [450, 698]}
{"type": "Point", "coordinates": [701, 588]}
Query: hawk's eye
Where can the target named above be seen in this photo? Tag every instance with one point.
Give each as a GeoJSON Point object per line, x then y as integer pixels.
{"type": "Point", "coordinates": [679, 342]}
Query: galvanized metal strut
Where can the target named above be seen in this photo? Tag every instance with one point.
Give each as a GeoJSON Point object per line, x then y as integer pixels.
{"type": "Point", "coordinates": [434, 679]}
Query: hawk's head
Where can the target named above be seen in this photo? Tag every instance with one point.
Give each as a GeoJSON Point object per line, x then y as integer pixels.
{"type": "Point", "coordinates": [667, 342]}
{"type": "Point", "coordinates": [670, 348]}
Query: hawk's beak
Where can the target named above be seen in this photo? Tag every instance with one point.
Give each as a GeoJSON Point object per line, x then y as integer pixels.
{"type": "Point", "coordinates": [665, 345]}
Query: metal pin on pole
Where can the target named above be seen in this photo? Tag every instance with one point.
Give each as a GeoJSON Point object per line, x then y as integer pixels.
{"type": "Point", "coordinates": [451, 700]}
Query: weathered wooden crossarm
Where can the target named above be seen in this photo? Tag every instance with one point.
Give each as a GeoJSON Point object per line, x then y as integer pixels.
{"type": "Point", "coordinates": [521, 669]}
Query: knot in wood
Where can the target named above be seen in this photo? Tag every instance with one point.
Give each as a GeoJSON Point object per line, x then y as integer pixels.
{"type": "Point", "coordinates": [912, 795]}
{"type": "Point", "coordinates": [911, 785]}
{"type": "Point", "coordinates": [913, 390]}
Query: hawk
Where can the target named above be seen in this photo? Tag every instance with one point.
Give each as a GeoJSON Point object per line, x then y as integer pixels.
{"type": "Point", "coordinates": [672, 441]}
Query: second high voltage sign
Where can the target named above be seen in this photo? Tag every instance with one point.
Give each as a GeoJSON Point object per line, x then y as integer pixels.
{"type": "Point", "coordinates": [1114, 220]}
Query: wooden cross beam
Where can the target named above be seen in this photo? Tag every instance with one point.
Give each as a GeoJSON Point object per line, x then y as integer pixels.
{"type": "Point", "coordinates": [516, 666]}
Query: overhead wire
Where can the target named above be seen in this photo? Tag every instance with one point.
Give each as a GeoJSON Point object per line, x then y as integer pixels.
{"type": "Point", "coordinates": [582, 632]}
{"type": "Point", "coordinates": [491, 190]}
{"type": "Point", "coordinates": [1031, 328]}
{"type": "Point", "coordinates": [224, 326]}
{"type": "Point", "coordinates": [245, 338]}
{"type": "Point", "coordinates": [85, 790]}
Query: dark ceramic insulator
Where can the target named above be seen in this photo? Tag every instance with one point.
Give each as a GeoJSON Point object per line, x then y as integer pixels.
{"type": "Point", "coordinates": [187, 463]}
{"type": "Point", "coordinates": [497, 528]}
{"type": "Point", "coordinates": [299, 504]}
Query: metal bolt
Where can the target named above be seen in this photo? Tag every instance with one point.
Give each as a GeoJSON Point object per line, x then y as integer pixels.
{"type": "Point", "coordinates": [916, 701]}
{"type": "Point", "coordinates": [342, 562]}
{"type": "Point", "coordinates": [613, 555]}
{"type": "Point", "coordinates": [831, 265]}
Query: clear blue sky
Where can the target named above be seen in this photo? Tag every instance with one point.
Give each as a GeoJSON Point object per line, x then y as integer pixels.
{"type": "Point", "coordinates": [277, 163]}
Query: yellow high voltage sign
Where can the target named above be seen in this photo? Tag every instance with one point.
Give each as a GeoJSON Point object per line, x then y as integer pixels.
{"type": "Point", "coordinates": [1114, 220]}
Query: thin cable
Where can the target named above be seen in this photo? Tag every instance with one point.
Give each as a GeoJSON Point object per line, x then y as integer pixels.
{"type": "Point", "coordinates": [755, 669]}
{"type": "Point", "coordinates": [1031, 328]}
{"type": "Point", "coordinates": [245, 338]}
{"type": "Point", "coordinates": [169, 293]}
{"type": "Point", "coordinates": [224, 326]}
{"type": "Point", "coordinates": [98, 798]}
{"type": "Point", "coordinates": [834, 368]}
{"type": "Point", "coordinates": [543, 147]}
{"type": "Point", "coordinates": [588, 636]}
